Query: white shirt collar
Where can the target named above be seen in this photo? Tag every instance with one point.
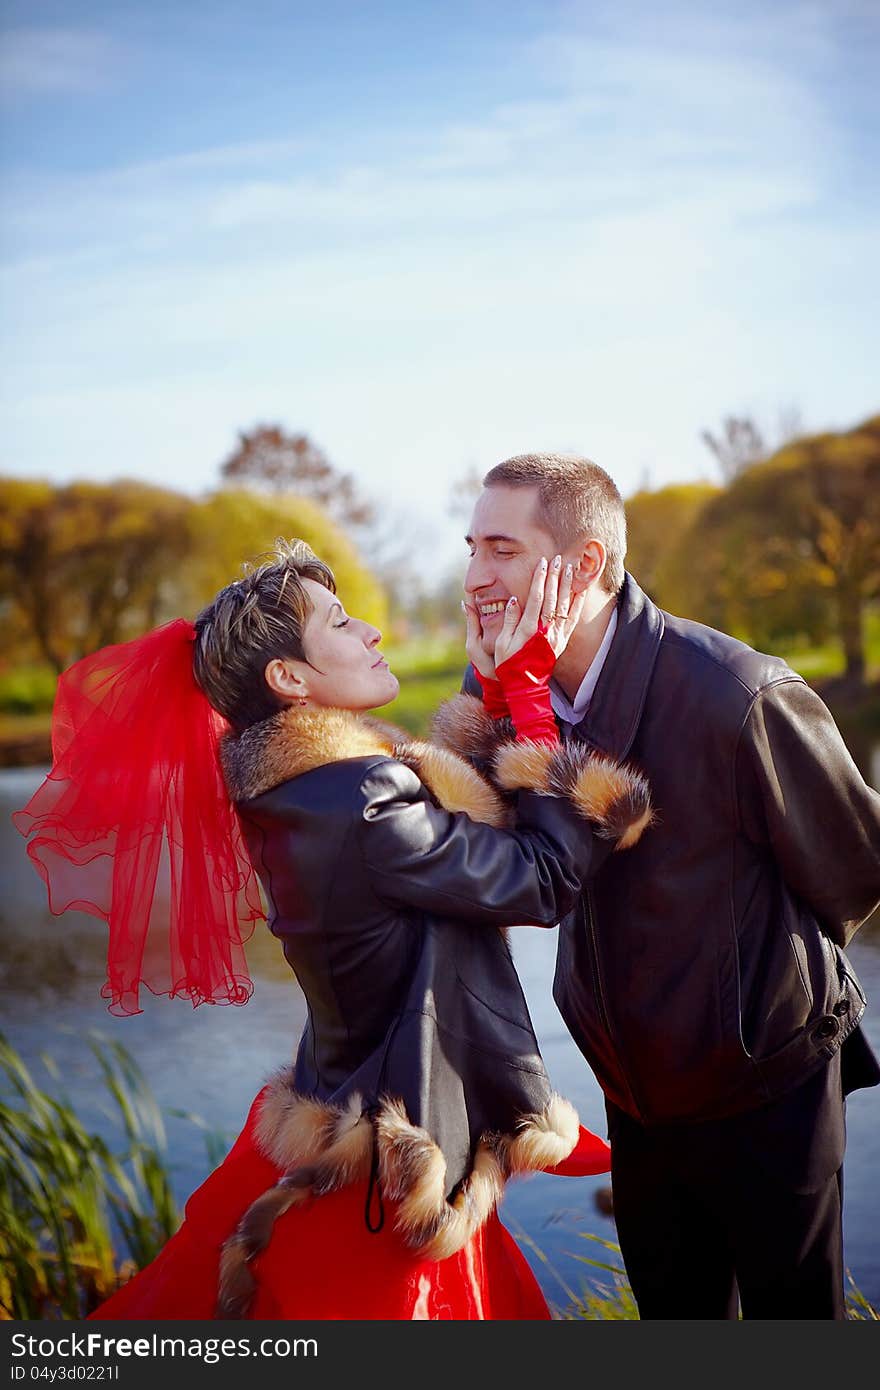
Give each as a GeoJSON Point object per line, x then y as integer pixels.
{"type": "Point", "coordinates": [573, 711]}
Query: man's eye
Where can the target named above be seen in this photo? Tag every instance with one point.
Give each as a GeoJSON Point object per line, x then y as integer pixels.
{"type": "Point", "coordinates": [505, 554]}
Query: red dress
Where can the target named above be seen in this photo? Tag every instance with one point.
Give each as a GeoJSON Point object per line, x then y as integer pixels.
{"type": "Point", "coordinates": [322, 1261]}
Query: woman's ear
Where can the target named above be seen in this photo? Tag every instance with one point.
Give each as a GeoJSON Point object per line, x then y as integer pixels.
{"type": "Point", "coordinates": [286, 678]}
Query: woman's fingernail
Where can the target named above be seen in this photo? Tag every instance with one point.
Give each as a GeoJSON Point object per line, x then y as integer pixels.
{"type": "Point", "coordinates": [543, 562]}
{"type": "Point", "coordinates": [511, 602]}
{"type": "Point", "coordinates": [557, 561]}
{"type": "Point", "coordinates": [569, 571]}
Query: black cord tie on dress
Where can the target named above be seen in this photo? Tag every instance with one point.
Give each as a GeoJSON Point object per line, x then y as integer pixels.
{"type": "Point", "coordinates": [375, 1183]}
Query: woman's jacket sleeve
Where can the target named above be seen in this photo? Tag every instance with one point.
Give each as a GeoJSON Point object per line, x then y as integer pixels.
{"type": "Point", "coordinates": [419, 855]}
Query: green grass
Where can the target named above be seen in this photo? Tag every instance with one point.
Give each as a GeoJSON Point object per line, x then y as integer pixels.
{"type": "Point", "coordinates": [27, 690]}
{"type": "Point", "coordinates": [818, 663]}
{"type": "Point", "coordinates": [429, 673]}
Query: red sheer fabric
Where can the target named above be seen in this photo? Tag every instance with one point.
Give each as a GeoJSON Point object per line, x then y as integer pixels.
{"type": "Point", "coordinates": [134, 824]}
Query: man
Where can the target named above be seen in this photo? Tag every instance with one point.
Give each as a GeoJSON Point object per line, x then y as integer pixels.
{"type": "Point", "coordinates": [703, 976]}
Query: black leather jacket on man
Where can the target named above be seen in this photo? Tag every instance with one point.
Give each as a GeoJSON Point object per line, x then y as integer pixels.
{"type": "Point", "coordinates": [702, 973]}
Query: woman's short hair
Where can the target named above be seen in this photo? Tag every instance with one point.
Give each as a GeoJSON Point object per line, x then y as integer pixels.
{"type": "Point", "coordinates": [577, 501]}
{"type": "Point", "coordinates": [253, 620]}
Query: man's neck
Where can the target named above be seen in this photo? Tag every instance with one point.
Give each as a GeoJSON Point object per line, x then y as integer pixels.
{"type": "Point", "coordinates": [583, 645]}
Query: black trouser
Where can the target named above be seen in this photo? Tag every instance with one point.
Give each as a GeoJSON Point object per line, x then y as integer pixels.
{"type": "Point", "coordinates": [704, 1212]}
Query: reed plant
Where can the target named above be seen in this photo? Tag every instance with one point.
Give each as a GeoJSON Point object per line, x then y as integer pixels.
{"type": "Point", "coordinates": [77, 1217]}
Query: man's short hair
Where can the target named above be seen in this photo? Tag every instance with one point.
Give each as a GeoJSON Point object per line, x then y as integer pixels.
{"type": "Point", "coordinates": [577, 501]}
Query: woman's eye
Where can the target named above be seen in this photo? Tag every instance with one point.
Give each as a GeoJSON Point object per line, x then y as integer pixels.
{"type": "Point", "coordinates": [344, 623]}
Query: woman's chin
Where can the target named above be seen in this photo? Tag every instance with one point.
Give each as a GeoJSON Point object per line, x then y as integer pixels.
{"type": "Point", "coordinates": [391, 688]}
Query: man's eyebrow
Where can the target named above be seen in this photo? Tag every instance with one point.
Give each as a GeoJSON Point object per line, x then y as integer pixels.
{"type": "Point", "coordinates": [496, 536]}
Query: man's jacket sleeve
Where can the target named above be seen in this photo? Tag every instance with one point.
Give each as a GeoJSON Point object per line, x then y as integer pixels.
{"type": "Point", "coordinates": [799, 792]}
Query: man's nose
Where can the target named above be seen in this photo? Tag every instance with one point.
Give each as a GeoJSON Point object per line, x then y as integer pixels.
{"type": "Point", "coordinates": [477, 575]}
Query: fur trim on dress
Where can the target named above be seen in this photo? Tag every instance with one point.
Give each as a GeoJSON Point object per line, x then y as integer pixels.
{"type": "Point", "coordinates": [323, 1147]}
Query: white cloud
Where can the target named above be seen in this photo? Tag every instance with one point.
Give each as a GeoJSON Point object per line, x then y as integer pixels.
{"type": "Point", "coordinates": [40, 61]}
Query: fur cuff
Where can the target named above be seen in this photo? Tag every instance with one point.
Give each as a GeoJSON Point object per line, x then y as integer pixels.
{"type": "Point", "coordinates": [463, 725]}
{"type": "Point", "coordinates": [454, 783]}
{"type": "Point", "coordinates": [615, 799]}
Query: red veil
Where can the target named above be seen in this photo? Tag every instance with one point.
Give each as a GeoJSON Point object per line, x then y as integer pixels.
{"type": "Point", "coordinates": [134, 824]}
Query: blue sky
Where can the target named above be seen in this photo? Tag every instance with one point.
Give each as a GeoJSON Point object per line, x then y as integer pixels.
{"type": "Point", "coordinates": [432, 235]}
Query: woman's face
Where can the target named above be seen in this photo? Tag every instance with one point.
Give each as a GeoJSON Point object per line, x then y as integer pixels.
{"type": "Point", "coordinates": [345, 667]}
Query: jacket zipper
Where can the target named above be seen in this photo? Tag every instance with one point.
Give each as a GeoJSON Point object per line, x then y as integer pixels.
{"type": "Point", "coordinates": [589, 920]}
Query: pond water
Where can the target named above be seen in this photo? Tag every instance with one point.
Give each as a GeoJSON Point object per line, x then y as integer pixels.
{"type": "Point", "coordinates": [212, 1061]}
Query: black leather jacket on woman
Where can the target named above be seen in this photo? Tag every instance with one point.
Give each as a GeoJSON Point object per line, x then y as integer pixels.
{"type": "Point", "coordinates": [703, 973]}
{"type": "Point", "coordinates": [419, 1054]}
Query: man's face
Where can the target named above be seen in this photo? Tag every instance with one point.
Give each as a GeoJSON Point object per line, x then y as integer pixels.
{"type": "Point", "coordinates": [506, 541]}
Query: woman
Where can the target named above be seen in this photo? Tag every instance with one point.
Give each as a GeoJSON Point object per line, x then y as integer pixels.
{"type": "Point", "coordinates": [366, 1179]}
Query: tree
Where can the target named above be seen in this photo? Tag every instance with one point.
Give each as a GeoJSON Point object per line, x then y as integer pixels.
{"type": "Point", "coordinates": [91, 564]}
{"type": "Point", "coordinates": [87, 564]}
{"type": "Point", "coordinates": [795, 541]}
{"type": "Point", "coordinates": [269, 459]}
{"type": "Point", "coordinates": [656, 523]}
{"type": "Point", "coordinates": [230, 529]}
{"type": "Point", "coordinates": [739, 445]}
{"type": "Point", "coordinates": [742, 442]}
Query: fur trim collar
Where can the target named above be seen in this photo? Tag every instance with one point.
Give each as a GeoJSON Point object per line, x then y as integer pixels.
{"type": "Point", "coordinates": [295, 741]}
{"type": "Point", "coordinates": [322, 1147]}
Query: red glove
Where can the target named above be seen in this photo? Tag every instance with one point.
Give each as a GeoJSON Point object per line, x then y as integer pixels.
{"type": "Point", "coordinates": [494, 702]}
{"type": "Point", "coordinates": [590, 1155]}
{"type": "Point", "coordinates": [525, 682]}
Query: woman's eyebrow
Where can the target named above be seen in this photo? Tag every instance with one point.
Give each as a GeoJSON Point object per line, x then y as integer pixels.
{"type": "Point", "coordinates": [331, 609]}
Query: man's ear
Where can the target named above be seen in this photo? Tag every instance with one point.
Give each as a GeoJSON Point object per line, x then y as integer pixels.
{"type": "Point", "coordinates": [286, 678]}
{"type": "Point", "coordinates": [589, 568]}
